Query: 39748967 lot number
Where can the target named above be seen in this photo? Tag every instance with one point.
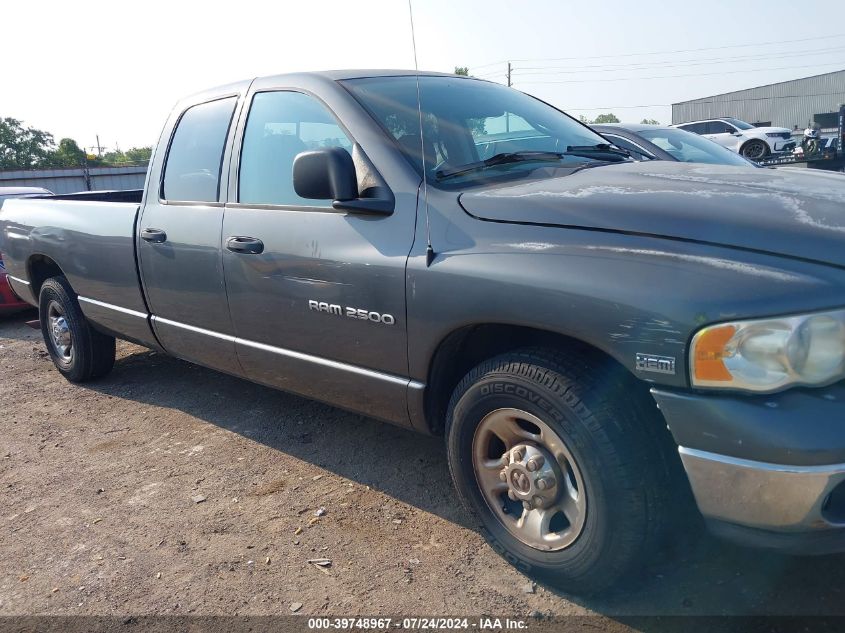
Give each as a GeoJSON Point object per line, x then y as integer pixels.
{"type": "Point", "coordinates": [388, 623]}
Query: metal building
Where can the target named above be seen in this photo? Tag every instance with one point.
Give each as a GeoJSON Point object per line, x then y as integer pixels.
{"type": "Point", "coordinates": [792, 104]}
{"type": "Point", "coordinates": [71, 180]}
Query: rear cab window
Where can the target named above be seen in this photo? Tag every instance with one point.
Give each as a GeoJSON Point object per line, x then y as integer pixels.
{"type": "Point", "coordinates": [195, 156]}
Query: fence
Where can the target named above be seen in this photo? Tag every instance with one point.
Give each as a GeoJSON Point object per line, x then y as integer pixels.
{"type": "Point", "coordinates": [72, 180]}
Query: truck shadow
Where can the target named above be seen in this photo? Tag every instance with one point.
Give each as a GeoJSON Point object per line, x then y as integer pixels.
{"type": "Point", "coordinates": [695, 574]}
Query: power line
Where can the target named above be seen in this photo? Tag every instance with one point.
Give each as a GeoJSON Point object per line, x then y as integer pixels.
{"type": "Point", "coordinates": [688, 50]}
{"type": "Point", "coordinates": [709, 102]}
{"type": "Point", "coordinates": [554, 70]}
{"type": "Point", "coordinates": [723, 72]}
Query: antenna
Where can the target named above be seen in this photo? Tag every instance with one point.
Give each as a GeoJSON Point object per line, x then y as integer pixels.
{"type": "Point", "coordinates": [429, 251]}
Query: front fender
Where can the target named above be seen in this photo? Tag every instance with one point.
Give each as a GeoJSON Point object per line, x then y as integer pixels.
{"type": "Point", "coordinates": [623, 294]}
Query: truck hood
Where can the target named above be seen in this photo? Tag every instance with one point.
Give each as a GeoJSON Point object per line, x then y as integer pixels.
{"type": "Point", "coordinates": [786, 213]}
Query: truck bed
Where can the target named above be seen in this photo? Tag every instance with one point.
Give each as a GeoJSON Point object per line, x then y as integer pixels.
{"type": "Point", "coordinates": [128, 195]}
{"type": "Point", "coordinates": [91, 238]}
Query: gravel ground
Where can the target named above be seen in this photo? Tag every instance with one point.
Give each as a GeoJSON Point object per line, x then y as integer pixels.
{"type": "Point", "coordinates": [167, 488]}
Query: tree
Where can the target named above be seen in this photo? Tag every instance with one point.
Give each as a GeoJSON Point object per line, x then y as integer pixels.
{"type": "Point", "coordinates": [650, 122]}
{"type": "Point", "coordinates": [131, 156]}
{"type": "Point", "coordinates": [462, 70]}
{"type": "Point", "coordinates": [602, 118]}
{"type": "Point", "coordinates": [23, 147]}
{"type": "Point", "coordinates": [68, 154]}
{"type": "Point", "coordinates": [139, 154]}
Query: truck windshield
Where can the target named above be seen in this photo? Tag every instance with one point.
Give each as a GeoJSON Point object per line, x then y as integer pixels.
{"type": "Point", "coordinates": [476, 130]}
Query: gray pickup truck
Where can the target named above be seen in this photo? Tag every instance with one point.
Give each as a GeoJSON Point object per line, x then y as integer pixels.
{"type": "Point", "coordinates": [599, 340]}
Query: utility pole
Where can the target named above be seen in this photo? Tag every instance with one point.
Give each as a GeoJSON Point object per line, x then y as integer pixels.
{"type": "Point", "coordinates": [509, 74]}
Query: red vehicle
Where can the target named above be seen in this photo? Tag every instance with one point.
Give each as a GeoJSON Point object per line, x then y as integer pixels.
{"type": "Point", "coordinates": [9, 301]}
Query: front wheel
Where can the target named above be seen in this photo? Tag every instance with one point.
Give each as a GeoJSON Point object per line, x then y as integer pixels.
{"type": "Point", "coordinates": [79, 352]}
{"type": "Point", "coordinates": [559, 461]}
{"type": "Point", "coordinates": [755, 150]}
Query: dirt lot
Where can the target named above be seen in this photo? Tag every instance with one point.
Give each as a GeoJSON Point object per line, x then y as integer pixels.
{"type": "Point", "coordinates": [98, 517]}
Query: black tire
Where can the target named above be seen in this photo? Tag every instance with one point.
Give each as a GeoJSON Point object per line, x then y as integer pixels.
{"type": "Point", "coordinates": [92, 353]}
{"type": "Point", "coordinates": [755, 150]}
{"type": "Point", "coordinates": [614, 434]}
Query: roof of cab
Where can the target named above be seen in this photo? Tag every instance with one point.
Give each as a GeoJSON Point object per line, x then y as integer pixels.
{"type": "Point", "coordinates": [359, 73]}
{"type": "Point", "coordinates": [292, 78]}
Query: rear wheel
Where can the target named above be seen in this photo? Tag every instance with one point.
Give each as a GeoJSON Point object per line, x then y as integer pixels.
{"type": "Point", "coordinates": [79, 352]}
{"type": "Point", "coordinates": [559, 460]}
{"type": "Point", "coordinates": [755, 150]}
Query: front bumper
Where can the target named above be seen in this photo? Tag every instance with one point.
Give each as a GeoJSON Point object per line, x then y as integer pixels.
{"type": "Point", "coordinates": [780, 146]}
{"type": "Point", "coordinates": [765, 470]}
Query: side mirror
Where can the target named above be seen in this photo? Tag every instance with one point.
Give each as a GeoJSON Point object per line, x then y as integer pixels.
{"type": "Point", "coordinates": [325, 174]}
{"type": "Point", "coordinates": [329, 174]}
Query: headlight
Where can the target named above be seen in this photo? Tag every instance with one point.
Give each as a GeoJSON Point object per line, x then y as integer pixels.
{"type": "Point", "coordinates": [770, 354]}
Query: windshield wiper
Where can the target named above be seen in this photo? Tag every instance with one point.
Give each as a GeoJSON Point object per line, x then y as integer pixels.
{"type": "Point", "coordinates": [504, 158]}
{"type": "Point", "coordinates": [601, 151]}
{"type": "Point", "coordinates": [605, 150]}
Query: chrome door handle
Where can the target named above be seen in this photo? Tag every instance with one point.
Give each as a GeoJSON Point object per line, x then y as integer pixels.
{"type": "Point", "coordinates": [156, 236]}
{"type": "Point", "coordinates": [245, 245]}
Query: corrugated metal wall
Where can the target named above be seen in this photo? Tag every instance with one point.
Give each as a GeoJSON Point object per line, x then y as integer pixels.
{"type": "Point", "coordinates": [788, 104]}
{"type": "Point", "coordinates": [73, 180]}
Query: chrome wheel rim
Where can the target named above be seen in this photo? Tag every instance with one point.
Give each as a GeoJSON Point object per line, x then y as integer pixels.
{"type": "Point", "coordinates": [529, 479]}
{"type": "Point", "coordinates": [59, 331]}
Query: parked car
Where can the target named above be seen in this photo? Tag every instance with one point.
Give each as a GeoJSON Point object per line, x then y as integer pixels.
{"type": "Point", "coordinates": [9, 302]}
{"type": "Point", "coordinates": [752, 142]}
{"type": "Point", "coordinates": [657, 142]}
{"type": "Point", "coordinates": [593, 336]}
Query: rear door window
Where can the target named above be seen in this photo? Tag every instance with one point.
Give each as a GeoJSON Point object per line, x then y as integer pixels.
{"type": "Point", "coordinates": [718, 127]}
{"type": "Point", "coordinates": [195, 157]}
{"type": "Point", "coordinates": [695, 128]}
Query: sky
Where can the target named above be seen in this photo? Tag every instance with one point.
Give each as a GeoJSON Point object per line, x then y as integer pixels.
{"type": "Point", "coordinates": [114, 69]}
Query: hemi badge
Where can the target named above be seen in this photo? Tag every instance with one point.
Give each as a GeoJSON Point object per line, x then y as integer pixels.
{"type": "Point", "coordinates": [657, 364]}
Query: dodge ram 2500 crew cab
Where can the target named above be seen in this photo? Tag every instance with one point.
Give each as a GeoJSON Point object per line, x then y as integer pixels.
{"type": "Point", "coordinates": [596, 338]}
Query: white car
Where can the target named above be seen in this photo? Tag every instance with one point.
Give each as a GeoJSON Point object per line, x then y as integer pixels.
{"type": "Point", "coordinates": [752, 142]}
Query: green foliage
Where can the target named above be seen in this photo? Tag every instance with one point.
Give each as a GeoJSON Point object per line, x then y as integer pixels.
{"type": "Point", "coordinates": [650, 122]}
{"type": "Point", "coordinates": [68, 154]}
{"type": "Point", "coordinates": [23, 147]}
{"type": "Point", "coordinates": [462, 70]}
{"type": "Point", "coordinates": [131, 156]}
{"type": "Point", "coordinates": [606, 118]}
{"type": "Point", "coordinates": [602, 118]}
